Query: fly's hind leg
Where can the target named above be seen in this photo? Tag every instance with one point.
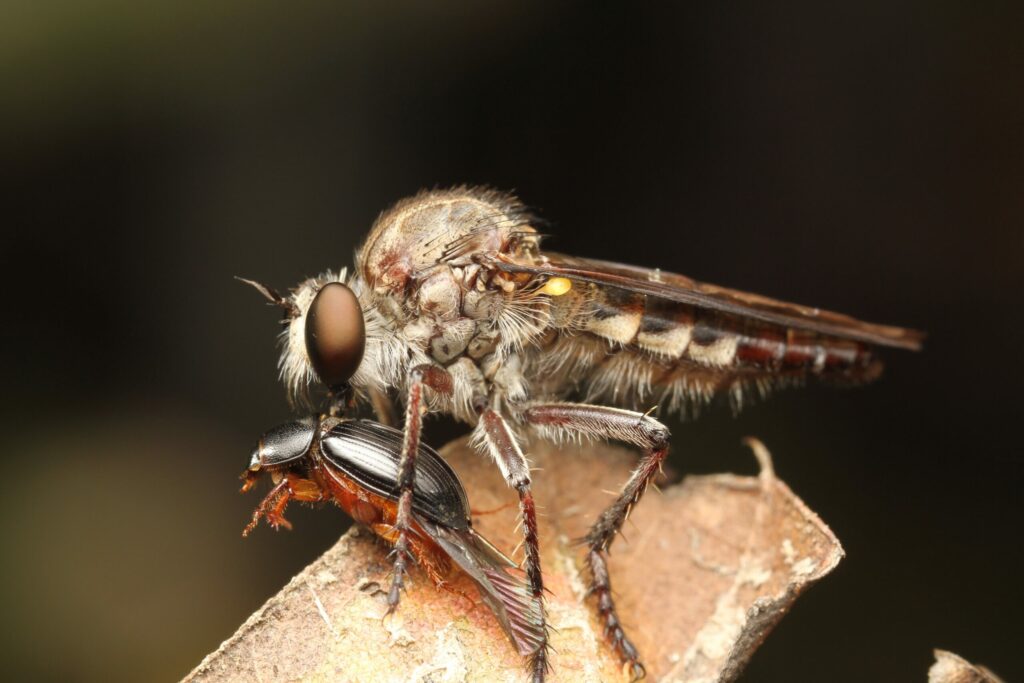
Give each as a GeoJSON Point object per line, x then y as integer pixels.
{"type": "Point", "coordinates": [439, 380]}
{"type": "Point", "coordinates": [557, 420]}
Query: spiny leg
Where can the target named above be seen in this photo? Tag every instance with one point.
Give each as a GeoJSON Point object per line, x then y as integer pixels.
{"type": "Point", "coordinates": [502, 445]}
{"type": "Point", "coordinates": [272, 507]}
{"type": "Point", "coordinates": [440, 381]}
{"type": "Point", "coordinates": [270, 501]}
{"type": "Point", "coordinates": [436, 565]}
{"type": "Point", "coordinates": [556, 420]}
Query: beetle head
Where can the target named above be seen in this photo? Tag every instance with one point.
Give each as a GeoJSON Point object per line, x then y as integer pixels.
{"type": "Point", "coordinates": [280, 448]}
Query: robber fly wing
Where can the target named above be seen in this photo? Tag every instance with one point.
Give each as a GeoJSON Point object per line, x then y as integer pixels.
{"type": "Point", "coordinates": [684, 290]}
{"type": "Point", "coordinates": [503, 590]}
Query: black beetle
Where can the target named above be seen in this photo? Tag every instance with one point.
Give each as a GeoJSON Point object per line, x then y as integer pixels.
{"type": "Point", "coordinates": [354, 463]}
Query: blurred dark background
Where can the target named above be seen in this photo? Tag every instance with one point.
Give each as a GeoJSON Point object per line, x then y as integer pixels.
{"type": "Point", "coordinates": [865, 157]}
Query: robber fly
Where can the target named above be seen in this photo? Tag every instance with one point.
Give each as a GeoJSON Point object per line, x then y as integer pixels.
{"type": "Point", "coordinates": [354, 463]}
{"type": "Point", "coordinates": [454, 308]}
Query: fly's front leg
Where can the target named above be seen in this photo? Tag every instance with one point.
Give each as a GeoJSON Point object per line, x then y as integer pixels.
{"type": "Point", "coordinates": [494, 432]}
{"type": "Point", "coordinates": [556, 420]}
{"type": "Point", "coordinates": [440, 381]}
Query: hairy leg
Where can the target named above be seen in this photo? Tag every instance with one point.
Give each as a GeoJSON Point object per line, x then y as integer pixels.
{"type": "Point", "coordinates": [430, 558]}
{"type": "Point", "coordinates": [272, 507]}
{"type": "Point", "coordinates": [559, 420]}
{"type": "Point", "coordinates": [439, 380]}
{"type": "Point", "coordinates": [494, 432]}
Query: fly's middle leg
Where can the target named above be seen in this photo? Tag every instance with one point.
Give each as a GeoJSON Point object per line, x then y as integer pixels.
{"type": "Point", "coordinates": [555, 420]}
{"type": "Point", "coordinates": [439, 380]}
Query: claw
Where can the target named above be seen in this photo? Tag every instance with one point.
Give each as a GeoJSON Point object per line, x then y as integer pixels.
{"type": "Point", "coordinates": [636, 670]}
{"type": "Point", "coordinates": [389, 619]}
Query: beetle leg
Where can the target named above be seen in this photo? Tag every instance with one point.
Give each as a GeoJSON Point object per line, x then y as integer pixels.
{"type": "Point", "coordinates": [304, 490]}
{"type": "Point", "coordinates": [275, 516]}
{"type": "Point", "coordinates": [272, 507]}
{"type": "Point", "coordinates": [269, 501]}
{"type": "Point", "coordinates": [501, 443]}
{"type": "Point", "coordinates": [557, 420]}
{"type": "Point", "coordinates": [439, 380]}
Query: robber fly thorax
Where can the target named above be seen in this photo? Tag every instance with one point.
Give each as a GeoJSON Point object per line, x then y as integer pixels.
{"type": "Point", "coordinates": [427, 300]}
{"type": "Point", "coordinates": [453, 307]}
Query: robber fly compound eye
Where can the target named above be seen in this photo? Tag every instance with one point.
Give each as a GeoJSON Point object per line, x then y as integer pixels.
{"type": "Point", "coordinates": [335, 334]}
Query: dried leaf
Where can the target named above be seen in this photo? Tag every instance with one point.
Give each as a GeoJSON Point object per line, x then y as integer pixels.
{"type": "Point", "coordinates": [707, 569]}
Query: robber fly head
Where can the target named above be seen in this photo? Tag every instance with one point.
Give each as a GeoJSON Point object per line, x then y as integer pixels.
{"type": "Point", "coordinates": [325, 335]}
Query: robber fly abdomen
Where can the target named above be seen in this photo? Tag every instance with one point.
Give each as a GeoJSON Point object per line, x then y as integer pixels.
{"type": "Point", "coordinates": [638, 351]}
{"type": "Point", "coordinates": [453, 307]}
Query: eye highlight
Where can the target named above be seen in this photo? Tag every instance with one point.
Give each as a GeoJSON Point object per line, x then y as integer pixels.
{"type": "Point", "coordinates": [335, 334]}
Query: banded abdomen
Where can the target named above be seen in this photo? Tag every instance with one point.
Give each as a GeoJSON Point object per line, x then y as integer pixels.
{"type": "Point", "coordinates": [637, 350]}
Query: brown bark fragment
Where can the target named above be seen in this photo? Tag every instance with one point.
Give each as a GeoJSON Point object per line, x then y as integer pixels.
{"type": "Point", "coordinates": [709, 567]}
{"type": "Point", "coordinates": [951, 668]}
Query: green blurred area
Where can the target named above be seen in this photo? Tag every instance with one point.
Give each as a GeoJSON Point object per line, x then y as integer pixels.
{"type": "Point", "coordinates": [866, 158]}
{"type": "Point", "coordinates": [63, 63]}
